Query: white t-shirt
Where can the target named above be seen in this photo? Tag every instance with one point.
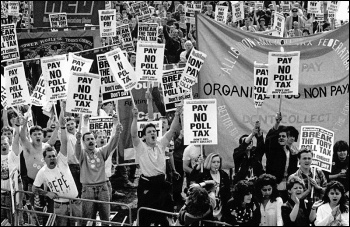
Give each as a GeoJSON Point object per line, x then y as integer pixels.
{"type": "Point", "coordinates": [192, 153]}
{"type": "Point", "coordinates": [71, 141]}
{"type": "Point", "coordinates": [59, 179]}
{"type": "Point", "coordinates": [152, 160]}
{"type": "Point", "coordinates": [8, 163]}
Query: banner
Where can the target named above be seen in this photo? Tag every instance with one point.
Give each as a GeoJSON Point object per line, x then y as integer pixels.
{"type": "Point", "coordinates": [121, 69]}
{"type": "Point", "coordinates": [3, 93]}
{"type": "Point", "coordinates": [333, 6]}
{"type": "Point", "coordinates": [124, 32]}
{"type": "Point", "coordinates": [193, 65]}
{"type": "Point", "coordinates": [261, 80]}
{"type": "Point", "coordinates": [16, 85]}
{"type": "Point", "coordinates": [55, 72]}
{"type": "Point", "coordinates": [200, 122]}
{"type": "Point", "coordinates": [227, 76]}
{"type": "Point", "coordinates": [142, 124]}
{"type": "Point", "coordinates": [101, 124]}
{"type": "Point", "coordinates": [13, 8]}
{"type": "Point", "coordinates": [9, 45]}
{"type": "Point", "coordinates": [58, 20]}
{"type": "Point", "coordinates": [38, 97]}
{"type": "Point", "coordinates": [172, 93]}
{"type": "Point", "coordinates": [320, 141]}
{"type": "Point", "coordinates": [191, 7]}
{"type": "Point", "coordinates": [279, 23]}
{"type": "Point", "coordinates": [283, 73]}
{"type": "Point", "coordinates": [108, 23]}
{"type": "Point", "coordinates": [237, 11]}
{"type": "Point", "coordinates": [83, 93]}
{"type": "Point", "coordinates": [314, 6]}
{"type": "Point", "coordinates": [142, 11]}
{"type": "Point", "coordinates": [110, 89]}
{"type": "Point", "coordinates": [149, 61]}
{"type": "Point", "coordinates": [79, 64]}
{"type": "Point", "coordinates": [148, 32]}
{"type": "Point", "coordinates": [78, 13]}
{"type": "Point", "coordinates": [221, 13]}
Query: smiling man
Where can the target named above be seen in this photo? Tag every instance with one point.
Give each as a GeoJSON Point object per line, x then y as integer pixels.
{"type": "Point", "coordinates": [304, 172]}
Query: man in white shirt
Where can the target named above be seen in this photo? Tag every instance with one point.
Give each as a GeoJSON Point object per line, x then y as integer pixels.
{"type": "Point", "coordinates": [57, 177]}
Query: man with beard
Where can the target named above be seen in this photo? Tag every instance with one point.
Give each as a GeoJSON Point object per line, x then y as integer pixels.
{"type": "Point", "coordinates": [280, 162]}
{"type": "Point", "coordinates": [93, 174]}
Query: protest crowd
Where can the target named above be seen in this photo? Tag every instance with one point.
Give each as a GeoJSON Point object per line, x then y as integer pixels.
{"type": "Point", "coordinates": [65, 134]}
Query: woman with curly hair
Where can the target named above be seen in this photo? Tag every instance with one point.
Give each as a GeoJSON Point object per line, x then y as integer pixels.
{"type": "Point", "coordinates": [242, 210]}
{"type": "Point", "coordinates": [268, 198]}
{"type": "Point", "coordinates": [334, 211]}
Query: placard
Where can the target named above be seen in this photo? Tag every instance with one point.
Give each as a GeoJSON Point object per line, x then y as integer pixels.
{"type": "Point", "coordinates": [200, 121]}
{"type": "Point", "coordinates": [108, 23]}
{"type": "Point", "coordinates": [259, 5]}
{"type": "Point", "coordinates": [3, 93]}
{"type": "Point", "coordinates": [16, 85]}
{"type": "Point", "coordinates": [172, 93]}
{"type": "Point", "coordinates": [261, 80]}
{"type": "Point", "coordinates": [79, 64]}
{"type": "Point", "coordinates": [110, 89]}
{"type": "Point", "coordinates": [285, 6]}
{"type": "Point", "coordinates": [279, 23]}
{"type": "Point", "coordinates": [237, 11]}
{"type": "Point", "coordinates": [319, 17]}
{"type": "Point", "coordinates": [283, 73]}
{"type": "Point", "coordinates": [38, 97]}
{"type": "Point", "coordinates": [58, 20]}
{"type": "Point", "coordinates": [83, 93]}
{"type": "Point", "coordinates": [13, 8]}
{"type": "Point", "coordinates": [9, 44]}
{"type": "Point", "coordinates": [320, 141]}
{"type": "Point", "coordinates": [121, 69]}
{"type": "Point", "coordinates": [333, 6]}
{"type": "Point", "coordinates": [314, 6]}
{"type": "Point", "coordinates": [102, 125]}
{"type": "Point", "coordinates": [187, 82]}
{"type": "Point", "coordinates": [142, 124]}
{"type": "Point", "coordinates": [142, 11]}
{"type": "Point", "coordinates": [148, 32]}
{"type": "Point", "coordinates": [221, 13]}
{"type": "Point", "coordinates": [123, 31]}
{"type": "Point", "coordinates": [55, 71]}
{"type": "Point", "coordinates": [191, 7]}
{"type": "Point", "coordinates": [149, 61]}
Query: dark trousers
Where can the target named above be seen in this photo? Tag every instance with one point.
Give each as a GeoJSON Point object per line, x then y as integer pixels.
{"type": "Point", "coordinates": [177, 183]}
{"type": "Point", "coordinates": [75, 170]}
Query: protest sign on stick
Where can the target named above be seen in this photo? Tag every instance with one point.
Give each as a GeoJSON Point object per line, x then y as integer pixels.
{"type": "Point", "coordinates": [260, 83]}
{"type": "Point", "coordinates": [333, 6]}
{"type": "Point", "coordinates": [149, 61]}
{"type": "Point", "coordinates": [319, 17]}
{"type": "Point", "coordinates": [38, 97]}
{"type": "Point", "coordinates": [83, 93]}
{"type": "Point", "coordinates": [320, 141]}
{"type": "Point", "coordinates": [285, 6]}
{"type": "Point", "coordinates": [278, 24]}
{"type": "Point", "coordinates": [108, 23]}
{"type": "Point", "coordinates": [3, 93]}
{"type": "Point", "coordinates": [110, 88]}
{"type": "Point", "coordinates": [191, 7]}
{"type": "Point", "coordinates": [9, 44]}
{"type": "Point", "coordinates": [200, 121]}
{"type": "Point", "coordinates": [237, 11]}
{"type": "Point", "coordinates": [141, 10]}
{"type": "Point", "coordinates": [148, 32]}
{"type": "Point", "coordinates": [283, 73]}
{"type": "Point", "coordinates": [79, 64]}
{"type": "Point", "coordinates": [55, 70]}
{"type": "Point", "coordinates": [221, 13]}
{"type": "Point", "coordinates": [101, 125]}
{"type": "Point", "coordinates": [259, 5]}
{"type": "Point", "coordinates": [314, 7]}
{"type": "Point", "coordinates": [13, 8]}
{"type": "Point", "coordinates": [192, 68]}
{"type": "Point", "coordinates": [16, 85]}
{"type": "Point", "coordinates": [123, 31]}
{"type": "Point", "coordinates": [121, 69]}
{"type": "Point", "coordinates": [58, 20]}
{"type": "Point", "coordinates": [172, 93]}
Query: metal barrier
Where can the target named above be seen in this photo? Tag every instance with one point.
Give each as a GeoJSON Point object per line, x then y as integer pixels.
{"type": "Point", "coordinates": [74, 217]}
{"type": "Point", "coordinates": [212, 223]}
{"type": "Point", "coordinates": [6, 207]}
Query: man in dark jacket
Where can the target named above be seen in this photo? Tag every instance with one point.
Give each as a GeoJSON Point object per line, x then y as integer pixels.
{"type": "Point", "coordinates": [247, 157]}
{"type": "Point", "coordinates": [173, 45]}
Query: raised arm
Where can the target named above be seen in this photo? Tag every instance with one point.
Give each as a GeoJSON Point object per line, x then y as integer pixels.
{"type": "Point", "coordinates": [175, 125]}
{"type": "Point", "coordinates": [54, 136]}
{"type": "Point", "coordinates": [15, 141]}
{"type": "Point", "coordinates": [149, 105]}
{"type": "Point", "coordinates": [5, 119]}
{"type": "Point", "coordinates": [134, 136]}
{"type": "Point", "coordinates": [113, 141]}
{"type": "Point", "coordinates": [22, 135]}
{"type": "Point", "coordinates": [78, 145]}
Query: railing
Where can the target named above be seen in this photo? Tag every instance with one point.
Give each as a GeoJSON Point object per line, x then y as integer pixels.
{"type": "Point", "coordinates": [74, 217]}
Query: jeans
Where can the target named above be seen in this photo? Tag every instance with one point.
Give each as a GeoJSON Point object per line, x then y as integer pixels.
{"type": "Point", "coordinates": [66, 209]}
{"type": "Point", "coordinates": [75, 170]}
{"type": "Point", "coordinates": [96, 192]}
{"type": "Point", "coordinates": [6, 202]}
{"type": "Point", "coordinates": [109, 186]}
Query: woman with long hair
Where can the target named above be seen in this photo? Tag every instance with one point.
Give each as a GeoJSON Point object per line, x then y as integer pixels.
{"type": "Point", "coordinates": [242, 210]}
{"type": "Point", "coordinates": [269, 200]}
{"type": "Point", "coordinates": [334, 211]}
